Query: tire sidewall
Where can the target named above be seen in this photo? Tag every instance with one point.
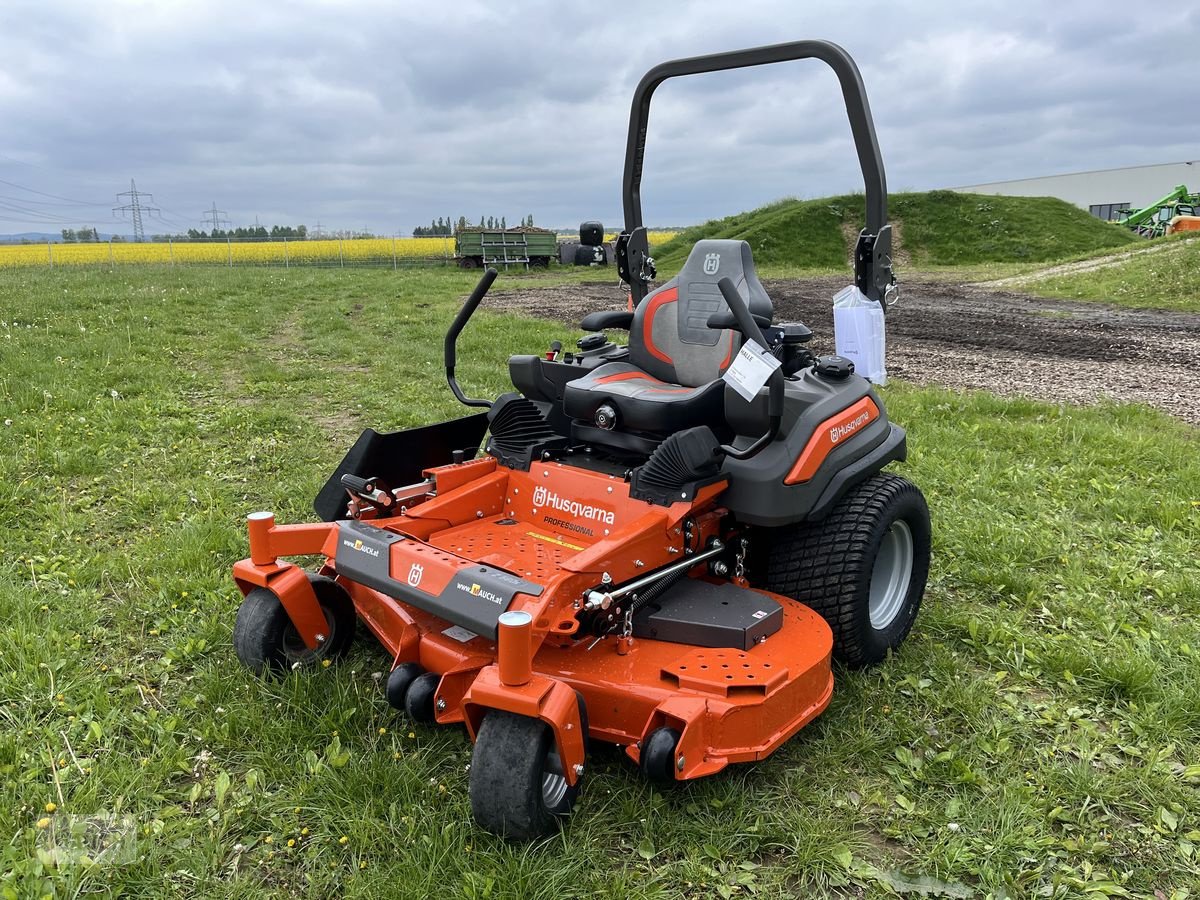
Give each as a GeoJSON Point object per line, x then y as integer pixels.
{"type": "Point", "coordinates": [875, 643]}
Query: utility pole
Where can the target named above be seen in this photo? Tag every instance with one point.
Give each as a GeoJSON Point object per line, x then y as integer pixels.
{"type": "Point", "coordinates": [215, 217]}
{"type": "Point", "coordinates": [139, 202]}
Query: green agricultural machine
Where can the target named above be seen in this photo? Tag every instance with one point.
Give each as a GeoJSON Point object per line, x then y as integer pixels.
{"type": "Point", "coordinates": [1152, 221]}
{"type": "Point", "coordinates": [475, 248]}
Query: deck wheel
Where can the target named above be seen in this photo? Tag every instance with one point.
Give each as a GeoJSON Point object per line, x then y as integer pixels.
{"type": "Point", "coordinates": [658, 755]}
{"type": "Point", "coordinates": [518, 789]}
{"type": "Point", "coordinates": [398, 682]}
{"type": "Point", "coordinates": [419, 698]}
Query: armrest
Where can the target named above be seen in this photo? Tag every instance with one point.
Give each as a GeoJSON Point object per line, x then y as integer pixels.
{"type": "Point", "coordinates": [723, 320]}
{"type": "Point", "coordinates": [608, 318]}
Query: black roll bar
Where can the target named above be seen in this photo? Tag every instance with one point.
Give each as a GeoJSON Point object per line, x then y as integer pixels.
{"type": "Point", "coordinates": [872, 255]}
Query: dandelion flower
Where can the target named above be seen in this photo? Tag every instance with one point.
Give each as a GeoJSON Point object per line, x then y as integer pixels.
{"type": "Point", "coordinates": [51, 806]}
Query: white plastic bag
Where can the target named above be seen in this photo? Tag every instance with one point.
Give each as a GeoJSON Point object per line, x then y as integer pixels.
{"type": "Point", "coordinates": [859, 334]}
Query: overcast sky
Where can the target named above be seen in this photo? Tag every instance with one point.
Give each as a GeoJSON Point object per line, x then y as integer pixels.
{"type": "Point", "coordinates": [381, 116]}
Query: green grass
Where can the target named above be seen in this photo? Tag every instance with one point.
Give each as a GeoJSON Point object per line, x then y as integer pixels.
{"type": "Point", "coordinates": [1037, 735]}
{"type": "Point", "coordinates": [1168, 278]}
{"type": "Point", "coordinates": [939, 228]}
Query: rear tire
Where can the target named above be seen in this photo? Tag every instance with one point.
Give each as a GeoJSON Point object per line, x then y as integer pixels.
{"type": "Point", "coordinates": [264, 637]}
{"type": "Point", "coordinates": [863, 567]}
{"type": "Point", "coordinates": [518, 789]}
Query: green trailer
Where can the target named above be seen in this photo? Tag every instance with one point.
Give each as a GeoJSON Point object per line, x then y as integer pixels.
{"type": "Point", "coordinates": [525, 246]}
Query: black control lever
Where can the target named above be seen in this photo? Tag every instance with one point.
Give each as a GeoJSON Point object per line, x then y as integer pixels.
{"type": "Point", "coordinates": [372, 490]}
{"type": "Point", "coordinates": [456, 327]}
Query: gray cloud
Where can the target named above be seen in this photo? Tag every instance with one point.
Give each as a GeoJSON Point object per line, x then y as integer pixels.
{"type": "Point", "coordinates": [382, 116]}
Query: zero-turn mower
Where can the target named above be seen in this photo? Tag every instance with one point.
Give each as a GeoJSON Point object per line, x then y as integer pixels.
{"type": "Point", "coordinates": [640, 554]}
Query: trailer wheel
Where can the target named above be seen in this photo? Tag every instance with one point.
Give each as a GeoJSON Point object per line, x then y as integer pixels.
{"type": "Point", "coordinates": [264, 637]}
{"type": "Point", "coordinates": [419, 698]}
{"type": "Point", "coordinates": [398, 682]}
{"type": "Point", "coordinates": [862, 568]}
{"type": "Point", "coordinates": [517, 785]}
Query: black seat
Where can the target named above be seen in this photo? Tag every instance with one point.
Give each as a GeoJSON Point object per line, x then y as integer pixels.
{"type": "Point", "coordinates": [673, 377]}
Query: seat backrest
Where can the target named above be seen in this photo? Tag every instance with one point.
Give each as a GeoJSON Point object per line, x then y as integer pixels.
{"type": "Point", "coordinates": [670, 337]}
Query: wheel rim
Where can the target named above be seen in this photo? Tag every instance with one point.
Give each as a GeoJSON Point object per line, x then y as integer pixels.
{"type": "Point", "coordinates": [891, 574]}
{"type": "Point", "coordinates": [294, 648]}
{"type": "Point", "coordinates": [554, 785]}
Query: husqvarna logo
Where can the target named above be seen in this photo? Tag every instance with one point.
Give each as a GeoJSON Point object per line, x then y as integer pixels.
{"type": "Point", "coordinates": [415, 573]}
{"type": "Point", "coordinates": [712, 262]}
{"type": "Point", "coordinates": [543, 498]}
{"type": "Point", "coordinates": [841, 432]}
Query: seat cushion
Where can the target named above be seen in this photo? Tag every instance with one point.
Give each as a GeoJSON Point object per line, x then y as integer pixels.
{"type": "Point", "coordinates": [643, 402]}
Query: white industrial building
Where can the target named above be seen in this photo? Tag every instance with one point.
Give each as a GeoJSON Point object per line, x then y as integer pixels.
{"type": "Point", "coordinates": [1103, 192]}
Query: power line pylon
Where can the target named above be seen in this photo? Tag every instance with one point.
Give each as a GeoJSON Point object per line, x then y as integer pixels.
{"type": "Point", "coordinates": [216, 217]}
{"type": "Point", "coordinates": [139, 202]}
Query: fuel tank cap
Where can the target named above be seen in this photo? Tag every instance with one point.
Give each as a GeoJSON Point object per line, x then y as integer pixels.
{"type": "Point", "coordinates": [835, 368]}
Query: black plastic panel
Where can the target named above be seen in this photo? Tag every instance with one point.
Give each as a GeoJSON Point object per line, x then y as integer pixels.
{"type": "Point", "coordinates": [703, 614]}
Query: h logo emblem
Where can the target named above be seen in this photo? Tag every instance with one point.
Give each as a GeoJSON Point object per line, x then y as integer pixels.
{"type": "Point", "coordinates": [415, 573]}
{"type": "Point", "coordinates": [712, 262]}
{"type": "Point", "coordinates": [539, 495]}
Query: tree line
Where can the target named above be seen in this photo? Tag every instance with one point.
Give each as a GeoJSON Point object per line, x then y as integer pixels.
{"type": "Point", "coordinates": [447, 227]}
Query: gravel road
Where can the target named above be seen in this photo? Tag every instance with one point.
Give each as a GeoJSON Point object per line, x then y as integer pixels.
{"type": "Point", "coordinates": [974, 336]}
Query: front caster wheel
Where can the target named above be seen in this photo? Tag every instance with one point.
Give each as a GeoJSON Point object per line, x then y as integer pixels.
{"type": "Point", "coordinates": [264, 637]}
{"type": "Point", "coordinates": [418, 699]}
{"type": "Point", "coordinates": [518, 789]}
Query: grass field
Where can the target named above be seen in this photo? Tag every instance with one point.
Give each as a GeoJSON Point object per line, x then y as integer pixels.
{"type": "Point", "coordinates": [1036, 737]}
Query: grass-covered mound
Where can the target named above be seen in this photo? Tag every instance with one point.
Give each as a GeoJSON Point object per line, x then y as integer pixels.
{"type": "Point", "coordinates": [935, 228]}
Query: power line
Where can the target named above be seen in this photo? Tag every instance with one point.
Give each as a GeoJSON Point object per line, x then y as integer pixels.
{"type": "Point", "coordinates": [136, 206]}
{"type": "Point", "coordinates": [215, 217]}
{"type": "Point", "coordinates": [30, 190]}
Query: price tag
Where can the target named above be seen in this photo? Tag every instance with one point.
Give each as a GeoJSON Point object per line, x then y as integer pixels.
{"type": "Point", "coordinates": [750, 370]}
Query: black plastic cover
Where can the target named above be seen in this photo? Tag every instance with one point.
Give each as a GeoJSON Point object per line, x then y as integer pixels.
{"type": "Point", "coordinates": [703, 614]}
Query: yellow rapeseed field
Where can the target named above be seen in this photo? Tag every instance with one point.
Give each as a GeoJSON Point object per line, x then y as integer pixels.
{"type": "Point", "coordinates": [368, 251]}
